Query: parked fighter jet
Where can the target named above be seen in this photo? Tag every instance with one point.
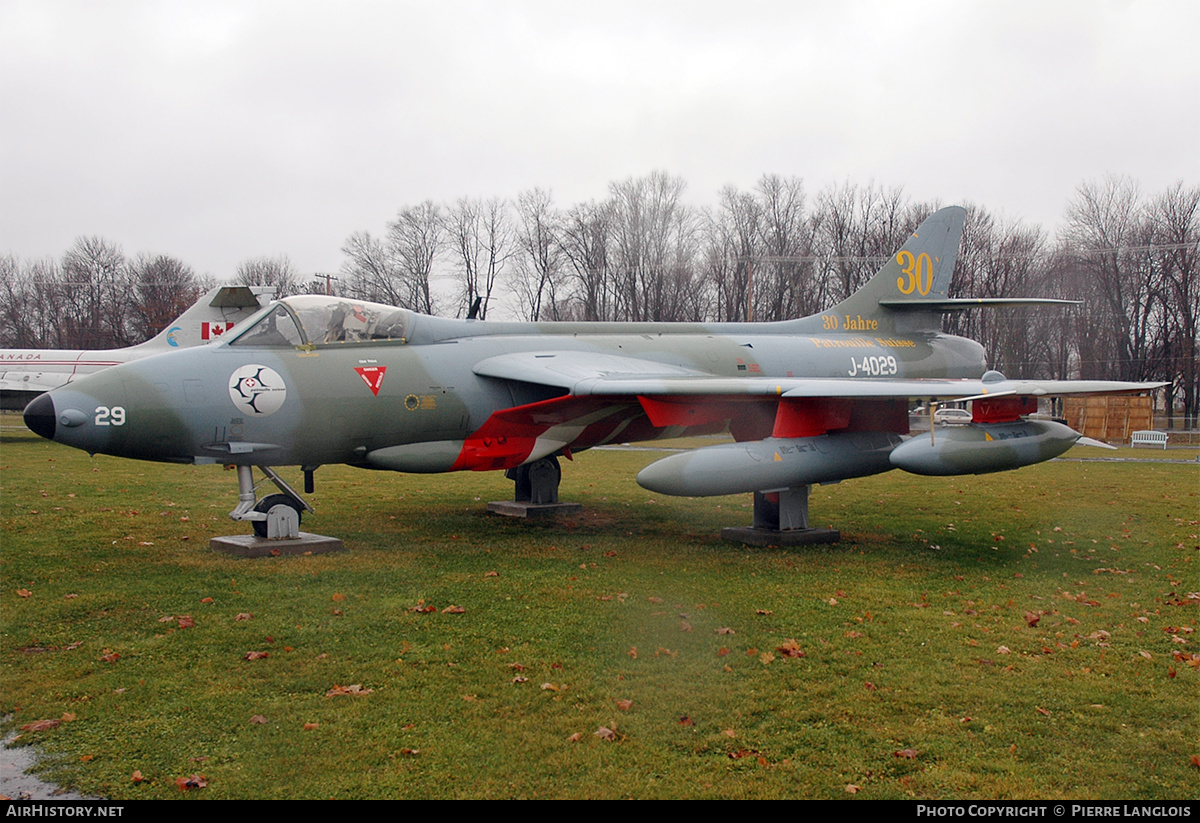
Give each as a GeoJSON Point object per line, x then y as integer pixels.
{"type": "Point", "coordinates": [26, 373]}
{"type": "Point", "coordinates": [314, 380]}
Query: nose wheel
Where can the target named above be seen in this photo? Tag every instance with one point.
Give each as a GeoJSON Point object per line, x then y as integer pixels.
{"type": "Point", "coordinates": [282, 516]}
{"type": "Point", "coordinates": [274, 517]}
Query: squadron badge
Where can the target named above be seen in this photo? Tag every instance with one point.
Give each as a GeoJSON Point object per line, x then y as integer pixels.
{"type": "Point", "coordinates": [257, 390]}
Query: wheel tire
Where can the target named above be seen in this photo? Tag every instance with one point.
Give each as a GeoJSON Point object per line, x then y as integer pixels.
{"type": "Point", "coordinates": [271, 501]}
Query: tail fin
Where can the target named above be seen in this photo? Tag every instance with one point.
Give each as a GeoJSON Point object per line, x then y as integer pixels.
{"type": "Point", "coordinates": [909, 293]}
{"type": "Point", "coordinates": [211, 316]}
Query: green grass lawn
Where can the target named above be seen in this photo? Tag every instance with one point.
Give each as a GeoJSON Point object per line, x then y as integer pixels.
{"type": "Point", "coordinates": [1020, 635]}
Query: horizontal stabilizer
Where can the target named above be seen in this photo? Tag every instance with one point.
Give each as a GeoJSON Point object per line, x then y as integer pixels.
{"type": "Point", "coordinates": [964, 303]}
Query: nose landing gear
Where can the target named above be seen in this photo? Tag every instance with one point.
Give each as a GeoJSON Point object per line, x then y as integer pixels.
{"type": "Point", "coordinates": [276, 516]}
{"type": "Point", "coordinates": [275, 519]}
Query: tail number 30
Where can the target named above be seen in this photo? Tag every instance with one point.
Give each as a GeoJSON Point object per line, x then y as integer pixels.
{"type": "Point", "coordinates": [106, 416]}
{"type": "Point", "coordinates": [917, 270]}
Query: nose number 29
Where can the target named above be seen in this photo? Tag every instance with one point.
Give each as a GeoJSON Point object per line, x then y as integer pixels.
{"type": "Point", "coordinates": [106, 416]}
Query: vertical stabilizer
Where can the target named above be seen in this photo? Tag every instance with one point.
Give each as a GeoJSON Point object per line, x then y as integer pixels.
{"type": "Point", "coordinates": [212, 316]}
{"type": "Point", "coordinates": [903, 296]}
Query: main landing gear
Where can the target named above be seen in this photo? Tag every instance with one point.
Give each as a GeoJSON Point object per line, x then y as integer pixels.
{"type": "Point", "coordinates": [535, 492]}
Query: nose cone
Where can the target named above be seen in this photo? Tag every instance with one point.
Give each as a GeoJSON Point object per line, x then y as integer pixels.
{"type": "Point", "coordinates": [40, 416]}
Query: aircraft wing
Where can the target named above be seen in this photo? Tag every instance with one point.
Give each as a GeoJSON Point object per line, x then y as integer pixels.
{"type": "Point", "coordinates": [36, 382]}
{"type": "Point", "coordinates": [29, 383]}
{"type": "Point", "coordinates": [585, 374]}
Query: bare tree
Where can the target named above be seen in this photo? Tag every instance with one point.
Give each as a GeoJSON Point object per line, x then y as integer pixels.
{"type": "Point", "coordinates": [856, 229]}
{"type": "Point", "coordinates": [370, 271]}
{"type": "Point", "coordinates": [539, 264]}
{"type": "Point", "coordinates": [585, 242]}
{"type": "Point", "coordinates": [481, 233]}
{"type": "Point", "coordinates": [783, 281]}
{"type": "Point", "coordinates": [413, 242]}
{"type": "Point", "coordinates": [94, 292]}
{"type": "Point", "coordinates": [269, 271]}
{"type": "Point", "coordinates": [1108, 242]}
{"type": "Point", "coordinates": [162, 289]}
{"type": "Point", "coordinates": [1174, 218]}
{"type": "Point", "coordinates": [653, 250]}
{"type": "Point", "coordinates": [732, 244]}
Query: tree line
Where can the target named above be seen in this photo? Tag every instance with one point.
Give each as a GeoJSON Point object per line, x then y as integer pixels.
{"type": "Point", "coordinates": [643, 253]}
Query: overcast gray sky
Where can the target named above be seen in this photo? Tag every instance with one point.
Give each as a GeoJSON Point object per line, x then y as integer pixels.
{"type": "Point", "coordinates": [218, 131]}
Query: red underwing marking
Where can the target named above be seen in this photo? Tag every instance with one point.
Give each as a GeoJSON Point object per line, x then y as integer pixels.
{"type": "Point", "coordinates": [372, 376]}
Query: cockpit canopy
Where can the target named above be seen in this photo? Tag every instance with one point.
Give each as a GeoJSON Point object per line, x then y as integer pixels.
{"type": "Point", "coordinates": [316, 320]}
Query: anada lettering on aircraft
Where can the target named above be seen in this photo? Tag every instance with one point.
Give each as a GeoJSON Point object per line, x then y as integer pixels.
{"type": "Point", "coordinates": [257, 390]}
{"type": "Point", "coordinates": [372, 376]}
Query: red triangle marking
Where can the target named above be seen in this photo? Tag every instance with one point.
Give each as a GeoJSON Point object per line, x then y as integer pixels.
{"type": "Point", "coordinates": [372, 376]}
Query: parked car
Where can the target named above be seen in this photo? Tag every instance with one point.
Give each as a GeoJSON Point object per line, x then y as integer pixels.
{"type": "Point", "coordinates": [952, 417]}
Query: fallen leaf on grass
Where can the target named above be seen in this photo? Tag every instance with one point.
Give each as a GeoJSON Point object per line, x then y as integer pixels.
{"type": "Point", "coordinates": [605, 733]}
{"type": "Point", "coordinates": [110, 656]}
{"type": "Point", "coordinates": [196, 781]}
{"type": "Point", "coordinates": [136, 777]}
{"type": "Point", "coordinates": [624, 705]}
{"type": "Point", "coordinates": [908, 754]}
{"type": "Point", "coordinates": [186, 621]}
{"type": "Point", "coordinates": [452, 609]}
{"type": "Point", "coordinates": [575, 738]}
{"type": "Point", "coordinates": [356, 690]}
{"type": "Point", "coordinates": [308, 727]}
{"type": "Point", "coordinates": [554, 687]}
{"type": "Point", "coordinates": [24, 593]}
{"type": "Point", "coordinates": [852, 789]}
{"type": "Point", "coordinates": [790, 648]}
{"type": "Point", "coordinates": [40, 725]}
{"type": "Point", "coordinates": [686, 721]}
{"type": "Point", "coordinates": [258, 720]}
{"type": "Point", "coordinates": [255, 655]}
{"type": "Point", "coordinates": [243, 616]}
